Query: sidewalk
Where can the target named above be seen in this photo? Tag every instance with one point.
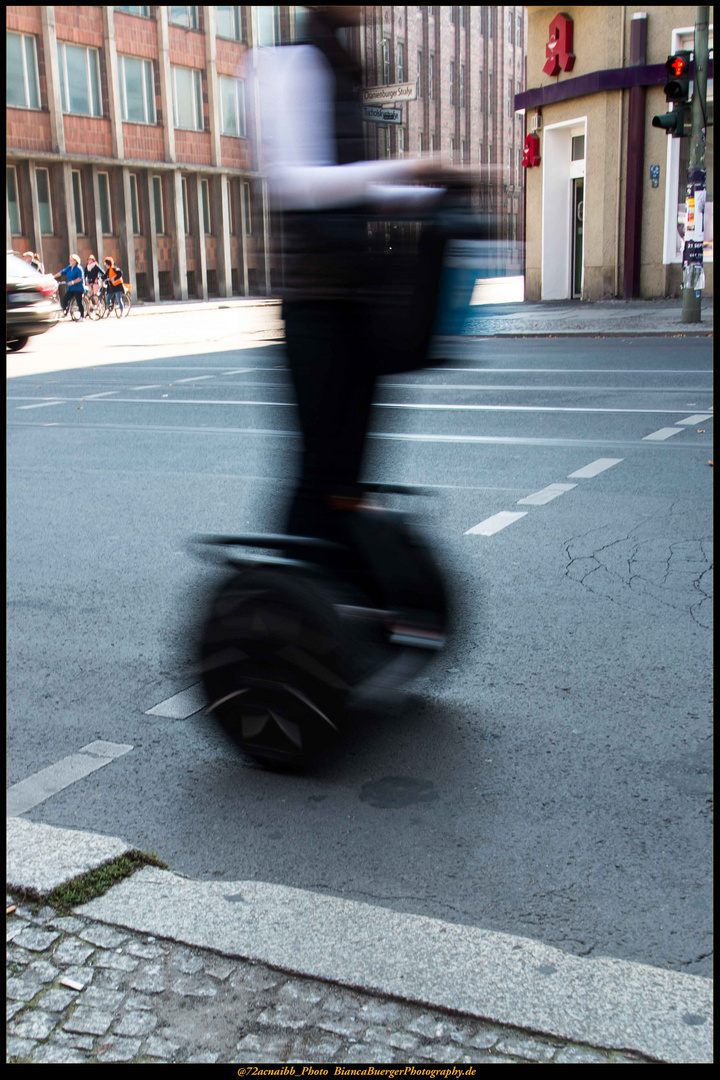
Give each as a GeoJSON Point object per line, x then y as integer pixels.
{"type": "Point", "coordinates": [550, 318]}
{"type": "Point", "coordinates": [164, 969]}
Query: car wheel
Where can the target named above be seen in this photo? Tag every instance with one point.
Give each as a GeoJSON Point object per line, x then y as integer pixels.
{"type": "Point", "coordinates": [15, 344]}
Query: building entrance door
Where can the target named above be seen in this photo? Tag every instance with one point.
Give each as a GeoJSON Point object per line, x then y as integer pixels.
{"type": "Point", "coordinates": [578, 211]}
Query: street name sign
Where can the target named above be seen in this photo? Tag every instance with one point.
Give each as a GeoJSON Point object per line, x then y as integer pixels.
{"type": "Point", "coordinates": [383, 116]}
{"type": "Point", "coordinates": [389, 95]}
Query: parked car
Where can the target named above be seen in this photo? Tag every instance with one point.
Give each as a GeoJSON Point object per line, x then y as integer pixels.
{"type": "Point", "coordinates": [32, 304]}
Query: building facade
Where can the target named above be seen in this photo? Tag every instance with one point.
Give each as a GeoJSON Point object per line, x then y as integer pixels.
{"type": "Point", "coordinates": [133, 131]}
{"type": "Point", "coordinates": [467, 64]}
{"type": "Point", "coordinates": [129, 134]}
{"type": "Point", "coordinates": [605, 189]}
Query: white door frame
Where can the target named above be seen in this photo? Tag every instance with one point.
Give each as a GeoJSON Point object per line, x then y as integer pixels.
{"type": "Point", "coordinates": [559, 170]}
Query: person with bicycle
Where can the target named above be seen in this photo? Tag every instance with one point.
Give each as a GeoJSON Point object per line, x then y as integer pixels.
{"type": "Point", "coordinates": [113, 278]}
{"type": "Point", "coordinates": [75, 278]}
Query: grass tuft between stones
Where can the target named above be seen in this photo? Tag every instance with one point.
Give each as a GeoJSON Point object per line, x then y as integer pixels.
{"type": "Point", "coordinates": [94, 883]}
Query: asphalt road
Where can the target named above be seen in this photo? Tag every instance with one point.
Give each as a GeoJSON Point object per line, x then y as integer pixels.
{"type": "Point", "coordinates": [550, 777]}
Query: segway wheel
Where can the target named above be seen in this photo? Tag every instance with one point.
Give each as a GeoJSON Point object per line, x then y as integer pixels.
{"type": "Point", "coordinates": [273, 667]}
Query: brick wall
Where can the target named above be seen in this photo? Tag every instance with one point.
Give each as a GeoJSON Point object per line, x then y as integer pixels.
{"type": "Point", "coordinates": [28, 129]}
{"type": "Point", "coordinates": [80, 25]}
{"type": "Point", "coordinates": [143, 141]}
{"type": "Point", "coordinates": [24, 20]}
{"type": "Point", "coordinates": [193, 147]}
{"type": "Point", "coordinates": [235, 153]}
{"type": "Point", "coordinates": [87, 135]}
{"type": "Point", "coordinates": [136, 36]}
{"type": "Point", "coordinates": [187, 47]}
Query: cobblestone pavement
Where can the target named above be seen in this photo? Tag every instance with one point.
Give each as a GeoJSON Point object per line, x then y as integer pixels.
{"type": "Point", "coordinates": [81, 991]}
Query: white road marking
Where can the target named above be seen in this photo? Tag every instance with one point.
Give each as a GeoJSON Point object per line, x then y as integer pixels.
{"type": "Point", "coordinates": [105, 393]}
{"type": "Point", "coordinates": [42, 785]}
{"type": "Point", "coordinates": [181, 705]}
{"type": "Point", "coordinates": [496, 522]}
{"type": "Point", "coordinates": [662, 433]}
{"type": "Point", "coordinates": [695, 419]}
{"type": "Point", "coordinates": [594, 468]}
{"type": "Point", "coordinates": [540, 498]}
{"type": "Point", "coordinates": [578, 371]}
{"type": "Point", "coordinates": [42, 405]}
{"type": "Point", "coordinates": [155, 386]}
{"type": "Point", "coordinates": [242, 370]}
{"type": "Point", "coordinates": [195, 378]}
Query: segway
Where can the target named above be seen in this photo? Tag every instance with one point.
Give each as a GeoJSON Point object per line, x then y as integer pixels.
{"type": "Point", "coordinates": [303, 634]}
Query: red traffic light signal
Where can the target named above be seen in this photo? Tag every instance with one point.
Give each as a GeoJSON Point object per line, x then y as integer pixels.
{"type": "Point", "coordinates": [677, 87]}
{"type": "Point", "coordinates": [677, 66]}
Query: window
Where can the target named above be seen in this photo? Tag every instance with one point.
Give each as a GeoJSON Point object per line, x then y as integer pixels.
{"type": "Point", "coordinates": [578, 148]}
{"type": "Point", "coordinates": [247, 206]}
{"type": "Point", "coordinates": [518, 38]}
{"type": "Point", "coordinates": [401, 141]}
{"type": "Point", "coordinates": [434, 144]}
{"type": "Point", "coordinates": [134, 205]}
{"type": "Point", "coordinates": [105, 205]}
{"type": "Point", "coordinates": [461, 88]}
{"type": "Point", "coordinates": [22, 74]}
{"type": "Point", "coordinates": [419, 74]}
{"type": "Point", "coordinates": [229, 23]}
{"type": "Point", "coordinates": [144, 11]}
{"type": "Point", "coordinates": [268, 25]}
{"type": "Point", "coordinates": [465, 150]}
{"type": "Point", "coordinates": [421, 142]}
{"type": "Point", "coordinates": [205, 186]}
{"type": "Point", "coordinates": [13, 201]}
{"type": "Point", "coordinates": [184, 16]}
{"type": "Point", "coordinates": [518, 166]}
{"type": "Point", "coordinates": [491, 22]}
{"type": "Point", "coordinates": [510, 98]}
{"type": "Point", "coordinates": [78, 202]}
{"type": "Point", "coordinates": [186, 208]}
{"type": "Point", "coordinates": [386, 62]}
{"type": "Point", "coordinates": [42, 184]}
{"type": "Point", "coordinates": [400, 72]}
{"type": "Point", "coordinates": [79, 80]}
{"type": "Point", "coordinates": [511, 26]}
{"type": "Point", "coordinates": [157, 187]}
{"type": "Point", "coordinates": [431, 76]}
{"type": "Point", "coordinates": [232, 104]}
{"type": "Point", "coordinates": [187, 99]}
{"type": "Point", "coordinates": [452, 82]}
{"type": "Point", "coordinates": [137, 90]}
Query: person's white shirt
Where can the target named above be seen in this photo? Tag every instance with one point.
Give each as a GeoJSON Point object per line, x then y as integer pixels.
{"type": "Point", "coordinates": [295, 84]}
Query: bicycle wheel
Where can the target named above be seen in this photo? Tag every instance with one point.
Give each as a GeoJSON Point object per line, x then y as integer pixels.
{"type": "Point", "coordinates": [117, 307]}
{"type": "Point", "coordinates": [127, 304]}
{"type": "Point", "coordinates": [95, 307]}
{"type": "Point", "coordinates": [74, 307]}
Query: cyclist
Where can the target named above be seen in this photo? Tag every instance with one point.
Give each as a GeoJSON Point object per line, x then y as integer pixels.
{"type": "Point", "coordinates": [113, 276]}
{"type": "Point", "coordinates": [73, 274]}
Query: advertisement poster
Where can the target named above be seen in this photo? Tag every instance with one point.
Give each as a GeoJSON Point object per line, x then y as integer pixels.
{"type": "Point", "coordinates": [693, 273]}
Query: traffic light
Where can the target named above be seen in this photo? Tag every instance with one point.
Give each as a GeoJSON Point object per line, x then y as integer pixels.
{"type": "Point", "coordinates": [677, 122]}
{"type": "Point", "coordinates": [677, 87]}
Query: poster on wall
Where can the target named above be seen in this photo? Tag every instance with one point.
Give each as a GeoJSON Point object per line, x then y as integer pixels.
{"type": "Point", "coordinates": [693, 273]}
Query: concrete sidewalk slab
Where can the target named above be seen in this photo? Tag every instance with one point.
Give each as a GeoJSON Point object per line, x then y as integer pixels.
{"type": "Point", "coordinates": [513, 981]}
{"type": "Point", "coordinates": [41, 857]}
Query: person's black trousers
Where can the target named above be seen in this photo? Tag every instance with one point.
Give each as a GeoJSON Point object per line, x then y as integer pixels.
{"type": "Point", "coordinates": [334, 377]}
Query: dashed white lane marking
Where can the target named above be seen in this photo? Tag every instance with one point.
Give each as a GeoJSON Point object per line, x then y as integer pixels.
{"type": "Point", "coordinates": [105, 393]}
{"type": "Point", "coordinates": [155, 386]}
{"type": "Point", "coordinates": [242, 370]}
{"type": "Point", "coordinates": [539, 498]}
{"type": "Point", "coordinates": [42, 785]}
{"type": "Point", "coordinates": [194, 378]}
{"type": "Point", "coordinates": [698, 419]}
{"type": "Point", "coordinates": [662, 433]}
{"type": "Point", "coordinates": [594, 468]}
{"type": "Point", "coordinates": [496, 522]}
{"type": "Point", "coordinates": [42, 405]}
{"type": "Point", "coordinates": [181, 705]}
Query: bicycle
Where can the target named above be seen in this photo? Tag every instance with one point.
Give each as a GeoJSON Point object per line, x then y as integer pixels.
{"type": "Point", "coordinates": [121, 310]}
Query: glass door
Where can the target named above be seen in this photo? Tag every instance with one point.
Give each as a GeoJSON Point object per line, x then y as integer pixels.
{"type": "Point", "coordinates": [578, 209]}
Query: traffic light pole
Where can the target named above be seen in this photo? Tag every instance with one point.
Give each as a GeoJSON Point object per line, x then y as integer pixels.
{"type": "Point", "coordinates": [693, 279]}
